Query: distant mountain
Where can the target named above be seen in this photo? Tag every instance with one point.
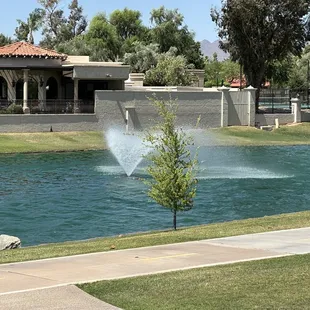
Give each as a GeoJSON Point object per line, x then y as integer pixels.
{"type": "Point", "coordinates": [209, 48]}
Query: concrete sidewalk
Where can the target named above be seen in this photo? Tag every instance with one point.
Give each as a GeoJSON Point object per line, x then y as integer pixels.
{"type": "Point", "coordinates": [22, 277]}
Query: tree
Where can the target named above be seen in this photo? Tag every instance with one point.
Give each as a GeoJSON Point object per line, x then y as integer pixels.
{"type": "Point", "coordinates": [217, 71]}
{"type": "Point", "coordinates": [258, 32]}
{"type": "Point", "coordinates": [76, 22]}
{"type": "Point", "coordinates": [171, 70]}
{"type": "Point", "coordinates": [103, 36]}
{"type": "Point", "coordinates": [169, 31]}
{"type": "Point", "coordinates": [127, 22]}
{"type": "Point", "coordinates": [143, 58]}
{"type": "Point", "coordinates": [130, 29]}
{"type": "Point", "coordinates": [25, 30]}
{"type": "Point", "coordinates": [4, 40]}
{"type": "Point", "coordinates": [172, 170]}
{"type": "Point", "coordinates": [56, 27]}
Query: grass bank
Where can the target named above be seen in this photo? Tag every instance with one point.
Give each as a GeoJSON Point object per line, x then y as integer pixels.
{"type": "Point", "coordinates": [75, 141]}
{"type": "Point", "coordinates": [285, 135]}
{"type": "Point", "coordinates": [50, 142]}
{"type": "Point", "coordinates": [217, 230]}
{"type": "Point", "coordinates": [281, 283]}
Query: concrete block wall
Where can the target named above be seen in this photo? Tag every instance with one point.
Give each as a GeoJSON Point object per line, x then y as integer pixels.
{"type": "Point", "coordinates": [111, 108]}
{"type": "Point", "coordinates": [43, 122]}
{"type": "Point", "coordinates": [305, 116]}
{"type": "Point", "coordinates": [269, 119]}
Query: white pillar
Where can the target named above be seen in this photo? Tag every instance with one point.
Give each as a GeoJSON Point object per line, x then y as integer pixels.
{"type": "Point", "coordinates": [76, 96]}
{"type": "Point", "coordinates": [251, 105]}
{"type": "Point", "coordinates": [296, 109]}
{"type": "Point", "coordinates": [25, 97]}
{"type": "Point", "coordinates": [224, 105]}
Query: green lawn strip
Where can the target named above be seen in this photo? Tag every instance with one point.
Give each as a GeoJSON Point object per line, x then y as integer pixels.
{"type": "Point", "coordinates": [217, 230]}
{"type": "Point", "coordinates": [279, 283]}
{"type": "Point", "coordinates": [50, 142]}
{"type": "Point", "coordinates": [74, 141]}
{"type": "Point", "coordinates": [285, 135]}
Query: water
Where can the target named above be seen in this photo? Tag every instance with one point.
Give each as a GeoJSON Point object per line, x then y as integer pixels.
{"type": "Point", "coordinates": [69, 196]}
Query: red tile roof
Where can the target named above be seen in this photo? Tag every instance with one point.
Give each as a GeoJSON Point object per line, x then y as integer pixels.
{"type": "Point", "coordinates": [24, 49]}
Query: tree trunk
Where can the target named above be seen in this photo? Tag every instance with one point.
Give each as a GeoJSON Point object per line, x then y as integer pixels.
{"type": "Point", "coordinates": [175, 219]}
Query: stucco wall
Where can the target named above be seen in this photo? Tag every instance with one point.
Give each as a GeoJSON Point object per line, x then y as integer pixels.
{"type": "Point", "coordinates": [42, 123]}
{"type": "Point", "coordinates": [269, 119]}
{"type": "Point", "coordinates": [111, 108]}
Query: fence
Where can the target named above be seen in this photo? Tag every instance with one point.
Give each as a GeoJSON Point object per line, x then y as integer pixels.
{"type": "Point", "coordinates": [276, 101]}
{"type": "Point", "coordinates": [57, 106]}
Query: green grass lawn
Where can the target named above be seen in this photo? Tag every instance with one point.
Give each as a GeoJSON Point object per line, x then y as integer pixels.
{"type": "Point", "coordinates": [50, 142]}
{"type": "Point", "coordinates": [217, 230]}
{"type": "Point", "coordinates": [279, 283]}
{"type": "Point", "coordinates": [74, 141]}
{"type": "Point", "coordinates": [285, 135]}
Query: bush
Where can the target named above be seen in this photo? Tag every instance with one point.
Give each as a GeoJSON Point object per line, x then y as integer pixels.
{"type": "Point", "coordinates": [15, 109]}
{"type": "Point", "coordinates": [36, 110]}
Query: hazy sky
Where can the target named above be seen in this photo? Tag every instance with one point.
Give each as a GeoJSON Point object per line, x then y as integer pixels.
{"type": "Point", "coordinates": [196, 12]}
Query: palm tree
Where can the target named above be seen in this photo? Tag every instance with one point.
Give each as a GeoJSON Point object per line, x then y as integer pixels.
{"type": "Point", "coordinates": [25, 30]}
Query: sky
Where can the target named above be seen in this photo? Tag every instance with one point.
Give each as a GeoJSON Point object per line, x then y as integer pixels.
{"type": "Point", "coordinates": [196, 12]}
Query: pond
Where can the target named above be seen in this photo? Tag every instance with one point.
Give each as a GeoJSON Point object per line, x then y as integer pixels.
{"type": "Point", "coordinates": [71, 196]}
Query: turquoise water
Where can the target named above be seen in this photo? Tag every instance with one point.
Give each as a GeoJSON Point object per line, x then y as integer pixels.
{"type": "Point", "coordinates": [69, 196]}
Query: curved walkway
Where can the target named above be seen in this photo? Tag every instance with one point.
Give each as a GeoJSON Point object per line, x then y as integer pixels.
{"type": "Point", "coordinates": [20, 282]}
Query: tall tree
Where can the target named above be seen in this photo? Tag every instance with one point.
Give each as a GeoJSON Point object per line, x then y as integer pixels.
{"type": "Point", "coordinates": [169, 31]}
{"type": "Point", "coordinates": [258, 32]}
{"type": "Point", "coordinates": [58, 28]}
{"type": "Point", "coordinates": [172, 170]}
{"type": "Point", "coordinates": [76, 22]}
{"type": "Point", "coordinates": [103, 36]}
{"type": "Point", "coordinates": [25, 30]}
{"type": "Point", "coordinates": [128, 23]}
{"type": "Point", "coordinates": [130, 28]}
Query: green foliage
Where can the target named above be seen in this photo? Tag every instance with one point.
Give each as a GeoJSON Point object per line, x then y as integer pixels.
{"type": "Point", "coordinates": [257, 33]}
{"type": "Point", "coordinates": [171, 70]}
{"type": "Point", "coordinates": [15, 109]}
{"type": "Point", "coordinates": [4, 40]}
{"type": "Point", "coordinates": [127, 22]}
{"type": "Point", "coordinates": [172, 170]}
{"type": "Point", "coordinates": [217, 71]}
{"type": "Point", "coordinates": [169, 31]}
{"type": "Point", "coordinates": [143, 57]}
{"type": "Point", "coordinates": [57, 28]}
{"type": "Point", "coordinates": [25, 30]}
{"type": "Point", "coordinates": [278, 72]}
{"type": "Point", "coordinates": [298, 76]}
{"type": "Point", "coordinates": [103, 36]}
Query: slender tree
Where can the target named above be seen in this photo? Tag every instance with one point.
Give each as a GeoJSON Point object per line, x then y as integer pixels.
{"type": "Point", "coordinates": [172, 169]}
{"type": "Point", "coordinates": [25, 30]}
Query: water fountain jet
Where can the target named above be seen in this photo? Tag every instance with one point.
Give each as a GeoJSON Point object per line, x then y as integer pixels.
{"type": "Point", "coordinates": [127, 148]}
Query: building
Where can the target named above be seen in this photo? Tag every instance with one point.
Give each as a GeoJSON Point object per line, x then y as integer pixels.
{"type": "Point", "coordinates": [44, 81]}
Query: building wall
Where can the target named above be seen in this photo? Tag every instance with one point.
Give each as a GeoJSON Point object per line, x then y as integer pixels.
{"type": "Point", "coordinates": [43, 123]}
{"type": "Point", "coordinates": [111, 108]}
